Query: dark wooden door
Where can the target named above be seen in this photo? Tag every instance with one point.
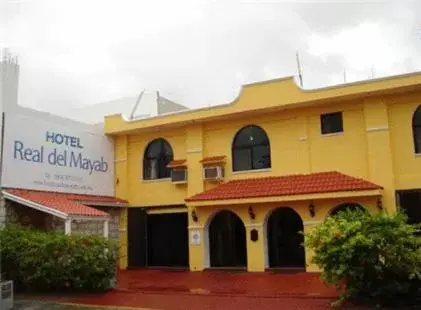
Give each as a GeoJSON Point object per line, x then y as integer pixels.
{"type": "Point", "coordinates": [137, 237]}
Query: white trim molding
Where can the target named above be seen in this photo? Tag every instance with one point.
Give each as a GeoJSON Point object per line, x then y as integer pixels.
{"type": "Point", "coordinates": [103, 204]}
{"type": "Point", "coordinates": [195, 227]}
{"type": "Point", "coordinates": [374, 129]}
{"type": "Point", "coordinates": [252, 171]}
{"type": "Point", "coordinates": [35, 205]}
{"type": "Point", "coordinates": [315, 222]}
{"type": "Point", "coordinates": [89, 218]}
{"type": "Point", "coordinates": [195, 150]}
{"type": "Point", "coordinates": [254, 225]}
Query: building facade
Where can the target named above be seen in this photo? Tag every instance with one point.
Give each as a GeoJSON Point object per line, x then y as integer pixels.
{"type": "Point", "coordinates": [233, 185]}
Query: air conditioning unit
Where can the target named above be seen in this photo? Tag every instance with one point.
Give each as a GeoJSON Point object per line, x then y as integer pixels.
{"type": "Point", "coordinates": [6, 295]}
{"type": "Point", "coordinates": [179, 175]}
{"type": "Point", "coordinates": [213, 173]}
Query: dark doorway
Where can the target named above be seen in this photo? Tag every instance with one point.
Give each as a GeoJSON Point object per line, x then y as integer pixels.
{"type": "Point", "coordinates": [285, 243]}
{"type": "Point", "coordinates": [409, 202]}
{"type": "Point", "coordinates": [137, 237]}
{"type": "Point", "coordinates": [347, 206]}
{"type": "Point", "coordinates": [157, 240]}
{"type": "Point", "coordinates": [168, 240]}
{"type": "Point", "coordinates": [227, 241]}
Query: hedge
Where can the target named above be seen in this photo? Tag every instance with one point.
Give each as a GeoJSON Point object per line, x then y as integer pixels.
{"type": "Point", "coordinates": [51, 261]}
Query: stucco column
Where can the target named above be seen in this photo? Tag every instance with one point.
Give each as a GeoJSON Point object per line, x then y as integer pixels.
{"type": "Point", "coordinates": [194, 142]}
{"type": "Point", "coordinates": [2, 211]}
{"type": "Point", "coordinates": [123, 260]}
{"type": "Point", "coordinates": [256, 250]}
{"type": "Point", "coordinates": [68, 226]}
{"type": "Point", "coordinates": [198, 248]}
{"type": "Point", "coordinates": [106, 228]}
{"type": "Point", "coordinates": [308, 227]}
{"type": "Point", "coordinates": [380, 161]}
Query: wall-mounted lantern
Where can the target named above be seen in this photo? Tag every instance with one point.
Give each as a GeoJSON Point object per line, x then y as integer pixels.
{"type": "Point", "coordinates": [194, 216]}
{"type": "Point", "coordinates": [251, 213]}
{"type": "Point", "coordinates": [379, 204]}
{"type": "Point", "coordinates": [254, 235]}
{"type": "Point", "coordinates": [312, 209]}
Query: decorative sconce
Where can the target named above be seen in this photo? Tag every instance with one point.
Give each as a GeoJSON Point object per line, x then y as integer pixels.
{"type": "Point", "coordinates": [251, 213]}
{"type": "Point", "coordinates": [194, 216]}
{"type": "Point", "coordinates": [254, 235]}
{"type": "Point", "coordinates": [379, 204]}
{"type": "Point", "coordinates": [312, 209]}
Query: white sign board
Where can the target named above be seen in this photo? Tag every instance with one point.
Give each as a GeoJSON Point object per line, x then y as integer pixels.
{"type": "Point", "coordinates": [195, 237]}
{"type": "Point", "coordinates": [44, 155]}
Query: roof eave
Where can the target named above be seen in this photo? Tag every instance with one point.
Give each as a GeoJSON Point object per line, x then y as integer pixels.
{"type": "Point", "coordinates": [301, 197]}
{"type": "Point", "coordinates": [35, 205]}
{"type": "Point", "coordinates": [103, 204]}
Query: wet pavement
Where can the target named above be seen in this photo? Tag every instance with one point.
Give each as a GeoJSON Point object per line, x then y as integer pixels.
{"type": "Point", "coordinates": [225, 283]}
{"type": "Point", "coordinates": [212, 290]}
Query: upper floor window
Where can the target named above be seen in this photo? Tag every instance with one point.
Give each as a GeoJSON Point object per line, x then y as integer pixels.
{"type": "Point", "coordinates": [416, 129]}
{"type": "Point", "coordinates": [331, 123]}
{"type": "Point", "coordinates": [251, 149]}
{"type": "Point", "coordinates": [157, 156]}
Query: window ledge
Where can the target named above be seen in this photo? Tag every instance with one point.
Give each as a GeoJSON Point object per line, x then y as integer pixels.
{"type": "Point", "coordinates": [417, 154]}
{"type": "Point", "coordinates": [252, 171]}
{"type": "Point", "coordinates": [157, 180]}
{"type": "Point", "coordinates": [333, 134]}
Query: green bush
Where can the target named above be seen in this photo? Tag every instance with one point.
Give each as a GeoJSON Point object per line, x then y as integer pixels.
{"type": "Point", "coordinates": [49, 261]}
{"type": "Point", "coordinates": [374, 258]}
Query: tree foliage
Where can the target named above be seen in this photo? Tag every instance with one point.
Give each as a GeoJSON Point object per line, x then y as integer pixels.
{"type": "Point", "coordinates": [368, 257]}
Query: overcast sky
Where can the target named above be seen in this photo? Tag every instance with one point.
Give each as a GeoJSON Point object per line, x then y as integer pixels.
{"type": "Point", "coordinates": [199, 52]}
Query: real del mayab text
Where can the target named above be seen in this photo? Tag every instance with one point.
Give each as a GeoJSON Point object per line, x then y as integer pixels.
{"type": "Point", "coordinates": [62, 158]}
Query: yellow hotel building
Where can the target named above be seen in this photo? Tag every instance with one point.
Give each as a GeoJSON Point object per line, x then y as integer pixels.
{"type": "Point", "coordinates": [231, 186]}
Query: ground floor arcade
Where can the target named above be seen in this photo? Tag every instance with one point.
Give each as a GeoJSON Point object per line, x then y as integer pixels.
{"type": "Point", "coordinates": [253, 234]}
{"type": "Point", "coordinates": [251, 224]}
{"type": "Point", "coordinates": [249, 237]}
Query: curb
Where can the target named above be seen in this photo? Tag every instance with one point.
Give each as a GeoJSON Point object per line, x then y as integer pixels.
{"type": "Point", "coordinates": [204, 292]}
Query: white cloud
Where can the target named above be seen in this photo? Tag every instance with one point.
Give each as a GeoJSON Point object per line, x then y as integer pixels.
{"type": "Point", "coordinates": [198, 52]}
{"type": "Point", "coordinates": [363, 46]}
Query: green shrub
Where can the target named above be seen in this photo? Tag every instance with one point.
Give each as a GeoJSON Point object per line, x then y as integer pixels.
{"type": "Point", "coordinates": [47, 261]}
{"type": "Point", "coordinates": [368, 257]}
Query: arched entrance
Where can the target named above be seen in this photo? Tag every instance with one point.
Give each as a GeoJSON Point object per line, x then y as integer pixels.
{"type": "Point", "coordinates": [346, 206]}
{"type": "Point", "coordinates": [227, 241]}
{"type": "Point", "coordinates": [285, 243]}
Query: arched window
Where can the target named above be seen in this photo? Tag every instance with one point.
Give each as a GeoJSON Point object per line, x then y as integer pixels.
{"type": "Point", "coordinates": [347, 206]}
{"type": "Point", "coordinates": [416, 129]}
{"type": "Point", "coordinates": [157, 156]}
{"type": "Point", "coordinates": [251, 149]}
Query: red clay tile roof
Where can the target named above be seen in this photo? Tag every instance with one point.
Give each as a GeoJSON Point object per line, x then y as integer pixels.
{"type": "Point", "coordinates": [177, 163]}
{"type": "Point", "coordinates": [300, 184]}
{"type": "Point", "coordinates": [213, 159]}
{"type": "Point", "coordinates": [70, 204]}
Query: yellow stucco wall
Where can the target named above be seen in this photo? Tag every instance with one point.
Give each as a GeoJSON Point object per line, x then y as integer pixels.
{"type": "Point", "coordinates": [376, 145]}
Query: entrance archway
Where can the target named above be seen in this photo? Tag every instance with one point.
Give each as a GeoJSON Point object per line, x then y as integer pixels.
{"type": "Point", "coordinates": [285, 243]}
{"type": "Point", "coordinates": [346, 206]}
{"type": "Point", "coordinates": [227, 241]}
